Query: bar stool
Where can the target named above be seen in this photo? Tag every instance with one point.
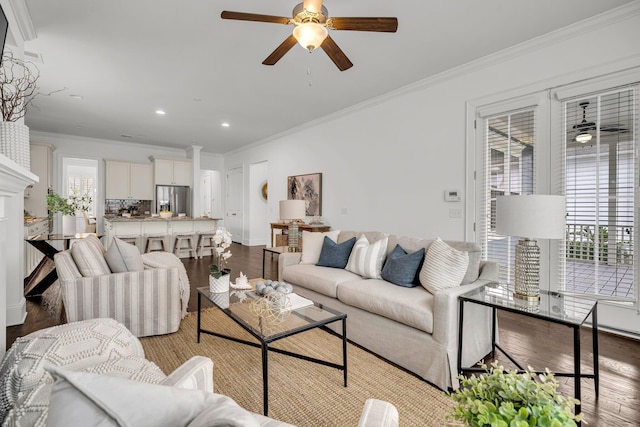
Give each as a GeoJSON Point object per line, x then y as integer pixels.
{"type": "Point", "coordinates": [133, 239]}
{"type": "Point", "coordinates": [188, 238]}
{"type": "Point", "coordinates": [205, 242]}
{"type": "Point", "coordinates": [155, 238]}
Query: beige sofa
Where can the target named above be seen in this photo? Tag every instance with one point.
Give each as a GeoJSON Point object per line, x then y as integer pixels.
{"type": "Point", "coordinates": [94, 372]}
{"type": "Point", "coordinates": [408, 326]}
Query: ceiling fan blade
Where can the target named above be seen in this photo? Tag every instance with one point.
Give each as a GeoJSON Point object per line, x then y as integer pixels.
{"type": "Point", "coordinates": [384, 25]}
{"type": "Point", "coordinates": [280, 51]}
{"type": "Point", "coordinates": [336, 54]}
{"type": "Point", "coordinates": [241, 16]}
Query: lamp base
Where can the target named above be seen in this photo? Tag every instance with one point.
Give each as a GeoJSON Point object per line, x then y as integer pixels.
{"type": "Point", "coordinates": [527, 271]}
{"type": "Point", "coordinates": [293, 242]}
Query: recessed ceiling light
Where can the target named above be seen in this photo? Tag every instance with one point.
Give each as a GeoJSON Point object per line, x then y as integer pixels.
{"type": "Point", "coordinates": [160, 112]}
{"type": "Point", "coordinates": [126, 136]}
{"type": "Point", "coordinates": [225, 125]}
{"type": "Point", "coordinates": [77, 96]}
{"type": "Point", "coordinates": [197, 99]}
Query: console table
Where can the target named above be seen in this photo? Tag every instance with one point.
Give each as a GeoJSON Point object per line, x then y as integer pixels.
{"type": "Point", "coordinates": [281, 239]}
{"type": "Point", "coordinates": [568, 310]}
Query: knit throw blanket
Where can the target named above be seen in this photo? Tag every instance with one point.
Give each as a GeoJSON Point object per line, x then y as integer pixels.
{"type": "Point", "coordinates": [165, 260]}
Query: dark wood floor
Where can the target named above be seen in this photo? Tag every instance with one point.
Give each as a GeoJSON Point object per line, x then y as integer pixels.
{"type": "Point", "coordinates": [536, 343]}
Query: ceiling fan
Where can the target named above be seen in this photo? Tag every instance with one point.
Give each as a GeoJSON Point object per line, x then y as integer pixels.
{"type": "Point", "coordinates": [583, 136]}
{"type": "Point", "coordinates": [311, 20]}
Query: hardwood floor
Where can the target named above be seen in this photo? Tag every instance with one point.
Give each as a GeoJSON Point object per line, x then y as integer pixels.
{"type": "Point", "coordinates": [536, 343]}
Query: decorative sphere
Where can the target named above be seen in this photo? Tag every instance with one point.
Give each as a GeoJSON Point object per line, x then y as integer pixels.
{"type": "Point", "coordinates": [268, 282]}
{"type": "Point", "coordinates": [260, 287]}
{"type": "Point", "coordinates": [267, 290]}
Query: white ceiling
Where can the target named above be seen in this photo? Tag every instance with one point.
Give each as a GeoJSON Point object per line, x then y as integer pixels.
{"type": "Point", "coordinates": [127, 58]}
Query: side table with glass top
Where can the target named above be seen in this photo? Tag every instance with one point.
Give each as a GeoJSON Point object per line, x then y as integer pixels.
{"type": "Point", "coordinates": [568, 310]}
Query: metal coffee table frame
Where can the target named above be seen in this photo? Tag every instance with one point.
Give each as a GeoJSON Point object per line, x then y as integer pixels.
{"type": "Point", "coordinates": [264, 341]}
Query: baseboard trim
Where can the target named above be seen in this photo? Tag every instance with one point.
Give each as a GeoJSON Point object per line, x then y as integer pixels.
{"type": "Point", "coordinates": [17, 313]}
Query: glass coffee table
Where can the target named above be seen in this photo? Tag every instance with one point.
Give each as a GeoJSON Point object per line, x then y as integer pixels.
{"type": "Point", "coordinates": [241, 307]}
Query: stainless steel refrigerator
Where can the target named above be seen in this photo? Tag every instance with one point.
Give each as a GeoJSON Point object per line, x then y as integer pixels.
{"type": "Point", "coordinates": [174, 198]}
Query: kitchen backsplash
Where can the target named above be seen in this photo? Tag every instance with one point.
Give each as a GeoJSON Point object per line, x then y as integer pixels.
{"type": "Point", "coordinates": [116, 206]}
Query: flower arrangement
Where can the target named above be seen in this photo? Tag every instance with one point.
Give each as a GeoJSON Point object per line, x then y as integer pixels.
{"type": "Point", "coordinates": [504, 398]}
{"type": "Point", "coordinates": [222, 241]}
{"type": "Point", "coordinates": [70, 205]}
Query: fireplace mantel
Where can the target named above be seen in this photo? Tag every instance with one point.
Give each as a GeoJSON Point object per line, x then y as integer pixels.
{"type": "Point", "coordinates": [13, 181]}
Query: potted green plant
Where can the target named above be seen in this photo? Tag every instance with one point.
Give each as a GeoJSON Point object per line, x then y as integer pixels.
{"type": "Point", "coordinates": [218, 273]}
{"type": "Point", "coordinates": [68, 208]}
{"type": "Point", "coordinates": [506, 398]}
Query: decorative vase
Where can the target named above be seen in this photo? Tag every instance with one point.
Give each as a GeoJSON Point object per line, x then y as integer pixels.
{"type": "Point", "coordinates": [14, 143]}
{"type": "Point", "coordinates": [220, 284]}
{"type": "Point", "coordinates": [68, 225]}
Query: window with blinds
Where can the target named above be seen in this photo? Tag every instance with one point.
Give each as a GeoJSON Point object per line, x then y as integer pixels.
{"type": "Point", "coordinates": [600, 169]}
{"type": "Point", "coordinates": [508, 170]}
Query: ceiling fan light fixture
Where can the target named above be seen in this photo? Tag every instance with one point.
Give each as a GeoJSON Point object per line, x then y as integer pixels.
{"type": "Point", "coordinates": [310, 35]}
{"type": "Point", "coordinates": [583, 137]}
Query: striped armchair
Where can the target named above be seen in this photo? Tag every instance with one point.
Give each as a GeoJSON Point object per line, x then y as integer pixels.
{"type": "Point", "coordinates": [147, 302]}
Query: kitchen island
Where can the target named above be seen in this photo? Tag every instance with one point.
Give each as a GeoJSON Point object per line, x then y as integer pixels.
{"type": "Point", "coordinates": [142, 226]}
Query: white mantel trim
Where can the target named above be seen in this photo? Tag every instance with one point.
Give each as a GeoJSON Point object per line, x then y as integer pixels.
{"type": "Point", "coordinates": [13, 177]}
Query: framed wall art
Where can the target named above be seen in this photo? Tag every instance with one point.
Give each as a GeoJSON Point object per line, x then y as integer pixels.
{"type": "Point", "coordinates": [308, 188]}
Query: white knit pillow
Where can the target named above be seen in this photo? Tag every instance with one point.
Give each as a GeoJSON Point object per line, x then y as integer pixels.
{"type": "Point", "coordinates": [312, 245]}
{"type": "Point", "coordinates": [444, 267]}
{"type": "Point", "coordinates": [366, 259]}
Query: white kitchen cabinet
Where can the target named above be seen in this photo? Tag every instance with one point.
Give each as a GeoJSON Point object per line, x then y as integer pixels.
{"type": "Point", "coordinates": [129, 180]}
{"type": "Point", "coordinates": [32, 256]}
{"type": "Point", "coordinates": [172, 172]}
{"type": "Point", "coordinates": [141, 184]}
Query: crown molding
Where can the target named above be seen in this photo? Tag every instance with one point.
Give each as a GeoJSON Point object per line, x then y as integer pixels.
{"type": "Point", "coordinates": [23, 18]}
{"type": "Point", "coordinates": [577, 29]}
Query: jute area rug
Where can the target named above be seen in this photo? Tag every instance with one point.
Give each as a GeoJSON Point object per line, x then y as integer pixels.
{"type": "Point", "coordinates": [300, 392]}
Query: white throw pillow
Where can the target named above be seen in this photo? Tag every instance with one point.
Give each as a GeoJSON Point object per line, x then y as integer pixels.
{"type": "Point", "coordinates": [122, 257]}
{"type": "Point", "coordinates": [82, 399]}
{"type": "Point", "coordinates": [444, 267]}
{"type": "Point", "coordinates": [366, 258]}
{"type": "Point", "coordinates": [312, 245]}
{"type": "Point", "coordinates": [89, 259]}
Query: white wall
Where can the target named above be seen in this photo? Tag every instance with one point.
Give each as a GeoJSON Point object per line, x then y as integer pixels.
{"type": "Point", "coordinates": [258, 217]}
{"type": "Point", "coordinates": [387, 162]}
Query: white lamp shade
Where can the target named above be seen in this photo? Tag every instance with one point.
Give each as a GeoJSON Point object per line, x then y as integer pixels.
{"type": "Point", "coordinates": [292, 209]}
{"type": "Point", "coordinates": [535, 216]}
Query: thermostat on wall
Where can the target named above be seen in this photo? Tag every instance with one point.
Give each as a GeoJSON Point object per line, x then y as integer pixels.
{"type": "Point", "coordinates": [451, 196]}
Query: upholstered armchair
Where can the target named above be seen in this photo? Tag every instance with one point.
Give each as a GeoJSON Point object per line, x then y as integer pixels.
{"type": "Point", "coordinates": [147, 301]}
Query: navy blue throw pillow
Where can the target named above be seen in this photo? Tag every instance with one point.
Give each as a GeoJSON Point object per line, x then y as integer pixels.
{"type": "Point", "coordinates": [402, 268]}
{"type": "Point", "coordinates": [335, 255]}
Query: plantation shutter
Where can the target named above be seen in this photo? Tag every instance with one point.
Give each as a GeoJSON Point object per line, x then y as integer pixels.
{"type": "Point", "coordinates": [507, 169]}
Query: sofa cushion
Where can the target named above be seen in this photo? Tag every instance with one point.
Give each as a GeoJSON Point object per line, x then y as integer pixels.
{"type": "Point", "coordinates": [323, 280]}
{"type": "Point", "coordinates": [80, 398]}
{"type": "Point", "coordinates": [89, 259]}
{"type": "Point", "coordinates": [402, 268]}
{"type": "Point", "coordinates": [444, 267]}
{"type": "Point", "coordinates": [94, 240]}
{"type": "Point", "coordinates": [312, 245]}
{"type": "Point", "coordinates": [366, 258]}
{"type": "Point", "coordinates": [122, 257]}
{"type": "Point", "coordinates": [411, 244]}
{"type": "Point", "coordinates": [334, 254]}
{"type": "Point", "coordinates": [410, 306]}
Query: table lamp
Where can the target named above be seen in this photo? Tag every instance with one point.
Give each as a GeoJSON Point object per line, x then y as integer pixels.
{"type": "Point", "coordinates": [292, 211]}
{"type": "Point", "coordinates": [531, 217]}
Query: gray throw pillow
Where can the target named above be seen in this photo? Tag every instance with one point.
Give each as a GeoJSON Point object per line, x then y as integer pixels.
{"type": "Point", "coordinates": [402, 268]}
{"type": "Point", "coordinates": [334, 254]}
{"type": "Point", "coordinates": [122, 257]}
